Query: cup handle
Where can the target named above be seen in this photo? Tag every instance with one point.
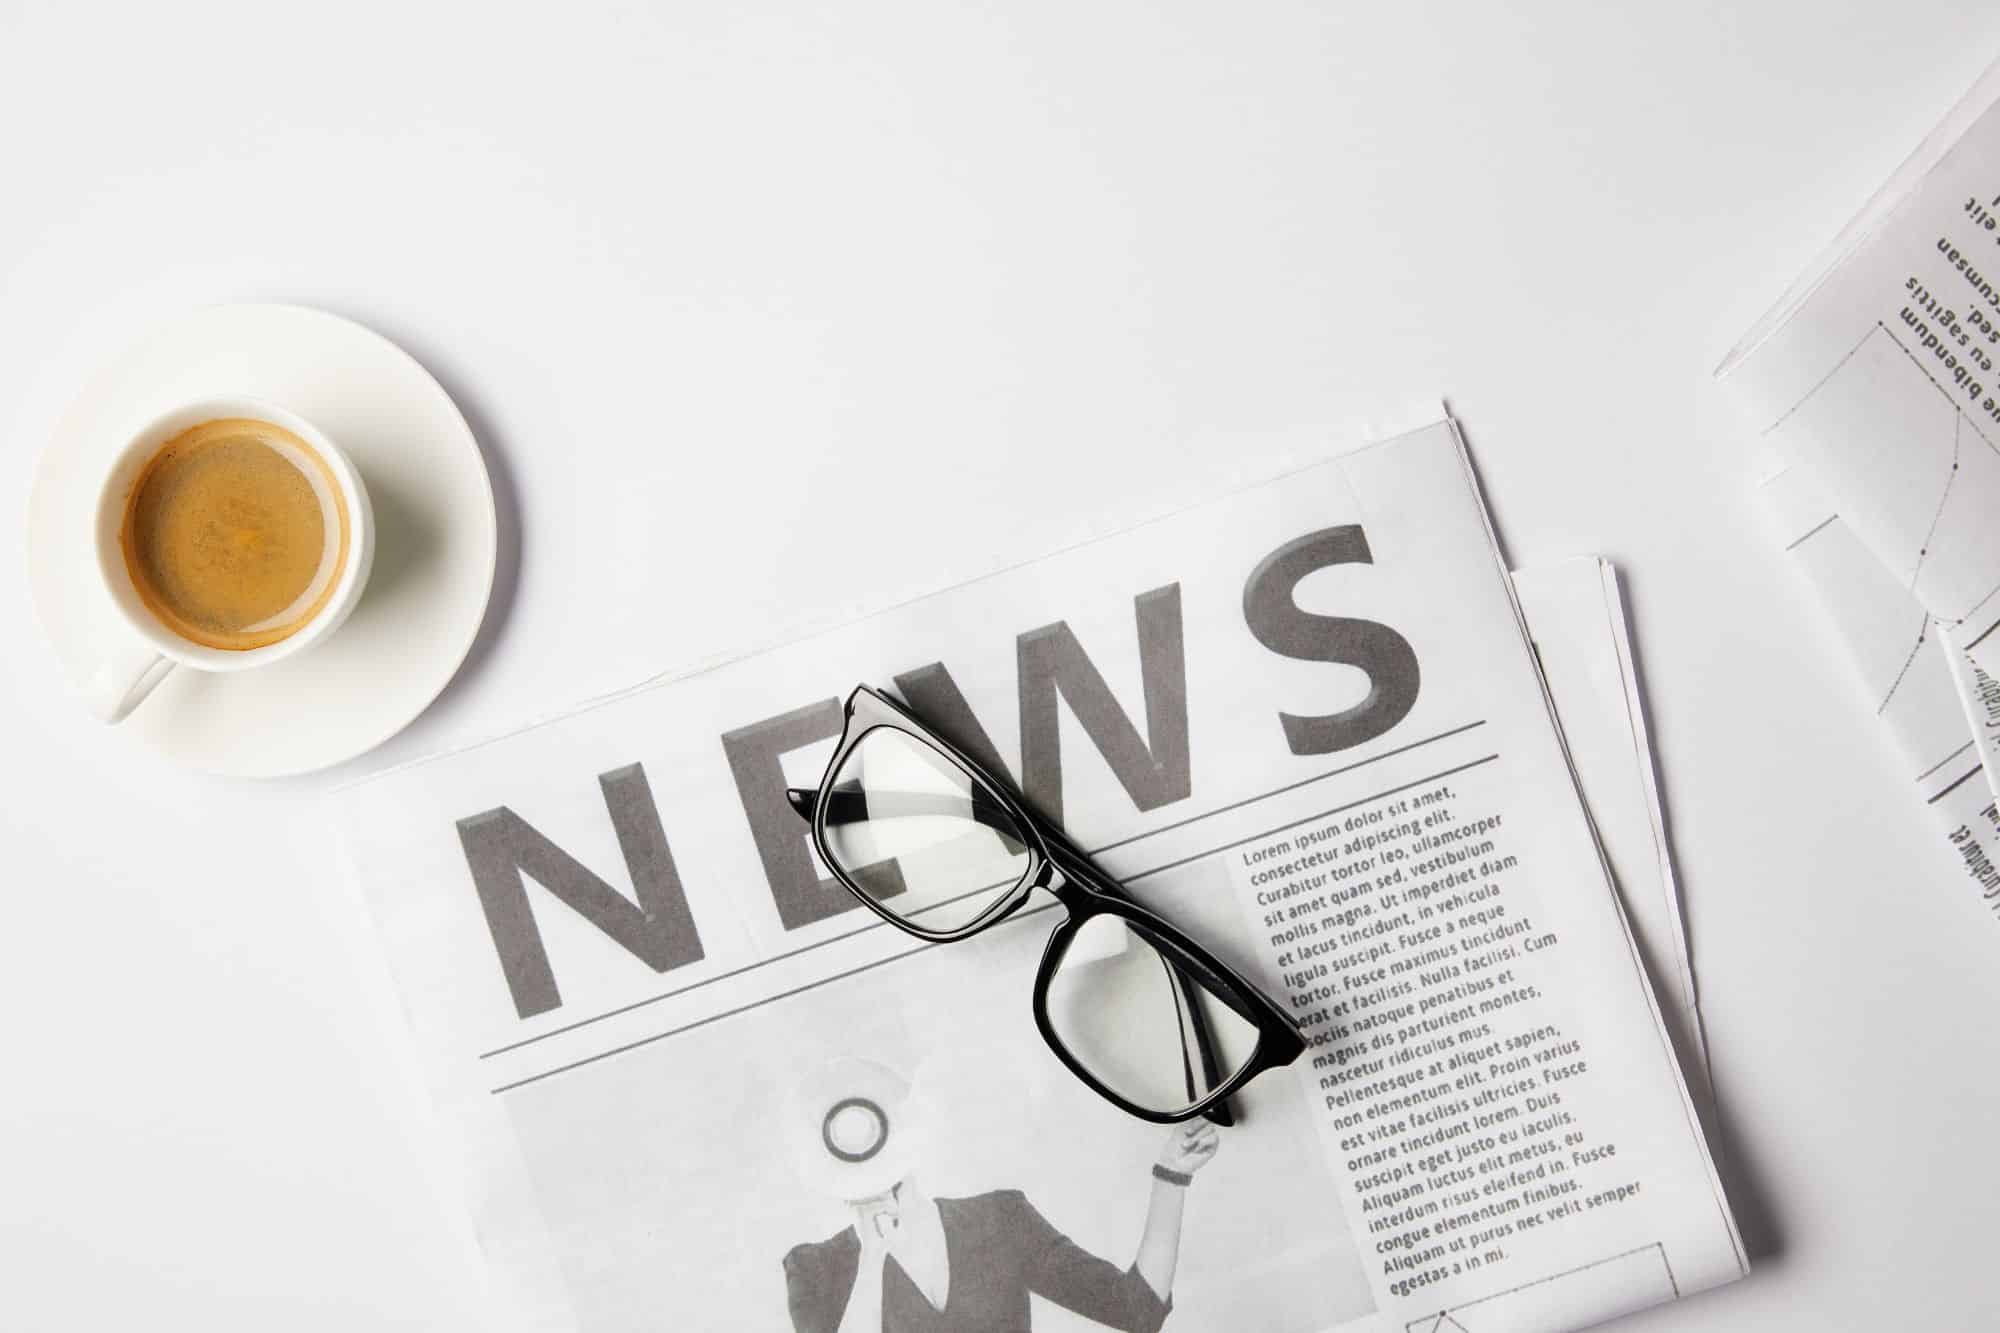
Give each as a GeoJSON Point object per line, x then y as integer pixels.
{"type": "Point", "coordinates": [122, 684]}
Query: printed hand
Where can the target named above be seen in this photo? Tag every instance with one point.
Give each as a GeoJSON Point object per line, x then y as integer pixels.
{"type": "Point", "coordinates": [1189, 1146]}
{"type": "Point", "coordinates": [876, 1222]}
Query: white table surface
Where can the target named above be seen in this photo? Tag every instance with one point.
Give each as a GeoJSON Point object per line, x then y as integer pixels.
{"type": "Point", "coordinates": [702, 276]}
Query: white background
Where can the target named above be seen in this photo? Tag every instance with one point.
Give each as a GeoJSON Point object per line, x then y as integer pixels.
{"type": "Point", "coordinates": [703, 278]}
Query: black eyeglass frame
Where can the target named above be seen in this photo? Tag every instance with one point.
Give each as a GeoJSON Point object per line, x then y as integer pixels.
{"type": "Point", "coordinates": [1084, 891]}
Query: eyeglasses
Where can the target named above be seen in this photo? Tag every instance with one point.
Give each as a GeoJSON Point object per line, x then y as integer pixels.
{"type": "Point", "coordinates": [936, 846]}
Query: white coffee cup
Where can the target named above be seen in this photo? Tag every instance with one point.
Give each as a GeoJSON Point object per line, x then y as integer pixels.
{"type": "Point", "coordinates": [132, 672]}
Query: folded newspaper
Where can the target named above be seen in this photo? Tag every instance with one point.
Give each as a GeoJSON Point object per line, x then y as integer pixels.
{"type": "Point", "coordinates": [1575, 611]}
{"type": "Point", "coordinates": [1904, 673]}
{"type": "Point", "coordinates": [1874, 390]}
{"type": "Point", "coordinates": [1877, 373]}
{"type": "Point", "coordinates": [1305, 723]}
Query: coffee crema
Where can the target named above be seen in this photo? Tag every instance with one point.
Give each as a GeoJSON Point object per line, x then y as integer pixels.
{"type": "Point", "coordinates": [234, 534]}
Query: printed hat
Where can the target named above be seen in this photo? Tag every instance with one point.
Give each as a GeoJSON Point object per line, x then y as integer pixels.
{"type": "Point", "coordinates": [853, 1130]}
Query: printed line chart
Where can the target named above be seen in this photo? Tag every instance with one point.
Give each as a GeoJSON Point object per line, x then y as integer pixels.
{"type": "Point", "coordinates": [1871, 611]}
{"type": "Point", "coordinates": [1890, 639]}
{"type": "Point", "coordinates": [1923, 633]}
{"type": "Point", "coordinates": [1951, 477]}
{"type": "Point", "coordinates": [1959, 425]}
{"type": "Point", "coordinates": [1915, 474]}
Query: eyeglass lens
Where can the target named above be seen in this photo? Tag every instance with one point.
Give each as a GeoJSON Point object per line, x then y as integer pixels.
{"type": "Point", "coordinates": [1135, 1018]}
{"type": "Point", "coordinates": [957, 849]}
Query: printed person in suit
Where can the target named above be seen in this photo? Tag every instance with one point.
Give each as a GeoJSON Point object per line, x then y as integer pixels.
{"type": "Point", "coordinates": [911, 1263]}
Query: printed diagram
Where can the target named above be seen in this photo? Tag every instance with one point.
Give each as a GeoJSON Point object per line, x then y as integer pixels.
{"type": "Point", "coordinates": [1602, 1289]}
{"type": "Point", "coordinates": [1884, 629]}
{"type": "Point", "coordinates": [1915, 475]}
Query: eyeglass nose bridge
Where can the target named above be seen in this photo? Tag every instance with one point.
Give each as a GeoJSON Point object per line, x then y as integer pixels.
{"type": "Point", "coordinates": [1049, 877]}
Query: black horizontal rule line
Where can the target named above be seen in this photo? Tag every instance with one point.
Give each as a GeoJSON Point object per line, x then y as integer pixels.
{"type": "Point", "coordinates": [732, 972]}
{"type": "Point", "coordinates": [1942, 762]}
{"type": "Point", "coordinates": [1021, 916]}
{"type": "Point", "coordinates": [1813, 531]}
{"type": "Point", "coordinates": [1982, 635]}
{"type": "Point", "coordinates": [1289, 787]}
{"type": "Point", "coordinates": [1312, 818]}
{"type": "Point", "coordinates": [744, 1008]}
{"type": "Point", "coordinates": [883, 925]}
{"type": "Point", "coordinates": [1962, 779]}
{"type": "Point", "coordinates": [712, 1018]}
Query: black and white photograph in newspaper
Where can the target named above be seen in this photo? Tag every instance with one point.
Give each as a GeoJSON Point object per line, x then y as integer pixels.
{"type": "Point", "coordinates": [899, 1149]}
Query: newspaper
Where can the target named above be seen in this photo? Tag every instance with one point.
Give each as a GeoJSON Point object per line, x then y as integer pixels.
{"type": "Point", "coordinates": [1904, 670]}
{"type": "Point", "coordinates": [1979, 696]}
{"type": "Point", "coordinates": [1879, 375]}
{"type": "Point", "coordinates": [1302, 721]}
{"type": "Point", "coordinates": [1575, 611]}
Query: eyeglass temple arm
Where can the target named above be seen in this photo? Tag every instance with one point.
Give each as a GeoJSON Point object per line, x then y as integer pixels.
{"type": "Point", "coordinates": [847, 806]}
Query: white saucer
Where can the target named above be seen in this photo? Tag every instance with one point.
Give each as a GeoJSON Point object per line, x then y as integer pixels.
{"type": "Point", "coordinates": [437, 542]}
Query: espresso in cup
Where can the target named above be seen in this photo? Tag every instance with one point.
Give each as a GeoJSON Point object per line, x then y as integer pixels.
{"type": "Point", "coordinates": [235, 534]}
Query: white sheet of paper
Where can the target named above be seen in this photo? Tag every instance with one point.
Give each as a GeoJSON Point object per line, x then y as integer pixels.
{"type": "Point", "coordinates": [1576, 617]}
